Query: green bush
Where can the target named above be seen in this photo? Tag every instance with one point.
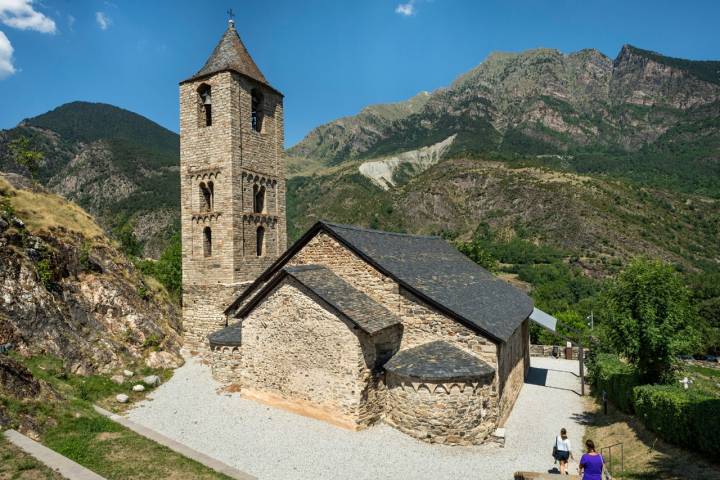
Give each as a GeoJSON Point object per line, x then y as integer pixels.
{"type": "Point", "coordinates": [689, 418]}
{"type": "Point", "coordinates": [45, 272]}
{"type": "Point", "coordinates": [608, 373]}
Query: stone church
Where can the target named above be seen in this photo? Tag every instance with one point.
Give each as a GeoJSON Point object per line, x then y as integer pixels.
{"type": "Point", "coordinates": [349, 325]}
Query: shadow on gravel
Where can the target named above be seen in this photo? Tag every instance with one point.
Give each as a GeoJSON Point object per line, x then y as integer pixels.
{"type": "Point", "coordinates": [539, 376]}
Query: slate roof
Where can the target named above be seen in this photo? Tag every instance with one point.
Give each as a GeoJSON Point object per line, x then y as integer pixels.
{"type": "Point", "coordinates": [230, 54]}
{"type": "Point", "coordinates": [430, 268]}
{"type": "Point", "coordinates": [438, 361]}
{"type": "Point", "coordinates": [229, 336]}
{"type": "Point", "coordinates": [339, 295]}
{"type": "Point", "coordinates": [360, 309]}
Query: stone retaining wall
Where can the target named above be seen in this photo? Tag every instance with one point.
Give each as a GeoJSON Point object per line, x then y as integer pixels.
{"type": "Point", "coordinates": [452, 414]}
{"type": "Point", "coordinates": [546, 351]}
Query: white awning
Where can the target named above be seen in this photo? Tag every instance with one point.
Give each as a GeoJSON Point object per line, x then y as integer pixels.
{"type": "Point", "coordinates": [544, 320]}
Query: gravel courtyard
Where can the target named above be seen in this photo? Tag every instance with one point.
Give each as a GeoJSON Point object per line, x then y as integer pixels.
{"type": "Point", "coordinates": [273, 444]}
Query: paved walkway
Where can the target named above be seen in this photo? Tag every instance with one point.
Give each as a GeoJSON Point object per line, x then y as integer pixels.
{"type": "Point", "coordinates": [274, 444]}
{"type": "Point", "coordinates": [53, 460]}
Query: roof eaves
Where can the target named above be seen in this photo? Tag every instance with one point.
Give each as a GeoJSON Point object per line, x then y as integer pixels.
{"type": "Point", "coordinates": [197, 77]}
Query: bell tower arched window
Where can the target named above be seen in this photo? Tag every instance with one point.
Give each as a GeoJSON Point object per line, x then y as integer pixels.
{"type": "Point", "coordinates": [205, 99]}
{"type": "Point", "coordinates": [207, 242]}
{"type": "Point", "coordinates": [260, 247]}
{"type": "Point", "coordinates": [206, 196]}
{"type": "Point", "coordinates": [258, 199]}
{"type": "Point", "coordinates": [256, 112]}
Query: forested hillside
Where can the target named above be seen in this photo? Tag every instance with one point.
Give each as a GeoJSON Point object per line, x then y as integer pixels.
{"type": "Point", "coordinates": [120, 166]}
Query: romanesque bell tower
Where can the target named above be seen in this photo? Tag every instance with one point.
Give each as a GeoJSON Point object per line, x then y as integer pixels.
{"type": "Point", "coordinates": [232, 183]}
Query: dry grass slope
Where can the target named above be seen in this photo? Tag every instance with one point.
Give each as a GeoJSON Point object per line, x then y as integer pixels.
{"type": "Point", "coordinates": [46, 212]}
{"type": "Point", "coordinates": [646, 456]}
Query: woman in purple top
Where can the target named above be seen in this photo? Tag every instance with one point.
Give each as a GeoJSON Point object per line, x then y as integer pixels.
{"type": "Point", "coordinates": [591, 464]}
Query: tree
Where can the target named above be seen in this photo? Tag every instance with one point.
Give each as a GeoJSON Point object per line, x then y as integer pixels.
{"type": "Point", "coordinates": [24, 156]}
{"type": "Point", "coordinates": [168, 269]}
{"type": "Point", "coordinates": [129, 244]}
{"type": "Point", "coordinates": [649, 318]}
{"type": "Point", "coordinates": [476, 252]}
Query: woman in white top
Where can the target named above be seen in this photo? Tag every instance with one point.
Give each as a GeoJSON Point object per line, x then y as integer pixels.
{"type": "Point", "coordinates": [562, 450]}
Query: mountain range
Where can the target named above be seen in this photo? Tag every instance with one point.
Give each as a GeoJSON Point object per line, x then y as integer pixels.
{"type": "Point", "coordinates": [118, 165]}
{"type": "Point", "coordinates": [581, 111]}
{"type": "Point", "coordinates": [605, 159]}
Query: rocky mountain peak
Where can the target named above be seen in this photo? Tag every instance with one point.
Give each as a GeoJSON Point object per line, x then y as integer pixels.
{"type": "Point", "coordinates": [539, 101]}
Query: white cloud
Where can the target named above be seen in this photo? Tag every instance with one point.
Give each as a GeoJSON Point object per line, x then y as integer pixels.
{"type": "Point", "coordinates": [71, 21]}
{"type": "Point", "coordinates": [102, 20]}
{"type": "Point", "coordinates": [6, 51]}
{"type": "Point", "coordinates": [406, 9]}
{"type": "Point", "coordinates": [21, 14]}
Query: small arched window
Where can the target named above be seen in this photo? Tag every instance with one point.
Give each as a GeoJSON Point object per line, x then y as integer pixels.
{"type": "Point", "coordinates": [256, 111]}
{"type": "Point", "coordinates": [211, 189]}
{"type": "Point", "coordinates": [260, 247]}
{"type": "Point", "coordinates": [258, 199]}
{"type": "Point", "coordinates": [206, 196]}
{"type": "Point", "coordinates": [207, 242]}
{"type": "Point", "coordinates": [205, 99]}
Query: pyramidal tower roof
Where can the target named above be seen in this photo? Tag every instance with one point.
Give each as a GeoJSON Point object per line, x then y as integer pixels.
{"type": "Point", "coordinates": [230, 54]}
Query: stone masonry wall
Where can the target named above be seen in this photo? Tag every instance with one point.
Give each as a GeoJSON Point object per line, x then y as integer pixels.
{"type": "Point", "coordinates": [452, 414]}
{"type": "Point", "coordinates": [203, 312]}
{"type": "Point", "coordinates": [424, 324]}
{"type": "Point", "coordinates": [234, 157]}
{"type": "Point", "coordinates": [514, 364]}
{"type": "Point", "coordinates": [547, 351]}
{"type": "Point", "coordinates": [421, 322]}
{"type": "Point", "coordinates": [295, 348]}
{"type": "Point", "coordinates": [260, 160]}
{"type": "Point", "coordinates": [225, 363]}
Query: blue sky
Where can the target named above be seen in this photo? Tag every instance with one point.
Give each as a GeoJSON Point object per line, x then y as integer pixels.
{"type": "Point", "coordinates": [329, 57]}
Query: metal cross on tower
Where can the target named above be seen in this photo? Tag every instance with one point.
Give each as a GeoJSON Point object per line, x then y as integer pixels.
{"type": "Point", "coordinates": [231, 15]}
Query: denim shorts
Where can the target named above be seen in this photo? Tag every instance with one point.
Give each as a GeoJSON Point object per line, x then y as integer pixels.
{"type": "Point", "coordinates": [562, 455]}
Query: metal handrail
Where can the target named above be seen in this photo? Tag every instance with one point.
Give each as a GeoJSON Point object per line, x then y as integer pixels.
{"type": "Point", "coordinates": [608, 459]}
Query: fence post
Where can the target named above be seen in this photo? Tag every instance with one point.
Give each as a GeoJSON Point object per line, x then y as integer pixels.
{"type": "Point", "coordinates": [582, 369]}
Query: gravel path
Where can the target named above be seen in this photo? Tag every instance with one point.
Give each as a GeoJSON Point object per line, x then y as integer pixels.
{"type": "Point", "coordinates": [273, 444]}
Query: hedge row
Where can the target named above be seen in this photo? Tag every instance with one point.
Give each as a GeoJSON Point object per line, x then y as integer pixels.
{"type": "Point", "coordinates": [683, 417]}
{"type": "Point", "coordinates": [616, 378]}
{"type": "Point", "coordinates": [689, 418]}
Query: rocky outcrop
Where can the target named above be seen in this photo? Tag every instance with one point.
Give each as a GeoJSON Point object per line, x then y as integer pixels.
{"type": "Point", "coordinates": [351, 136]}
{"type": "Point", "coordinates": [16, 381]}
{"type": "Point", "coordinates": [640, 78]}
{"type": "Point", "coordinates": [65, 290]}
{"type": "Point", "coordinates": [386, 172]}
